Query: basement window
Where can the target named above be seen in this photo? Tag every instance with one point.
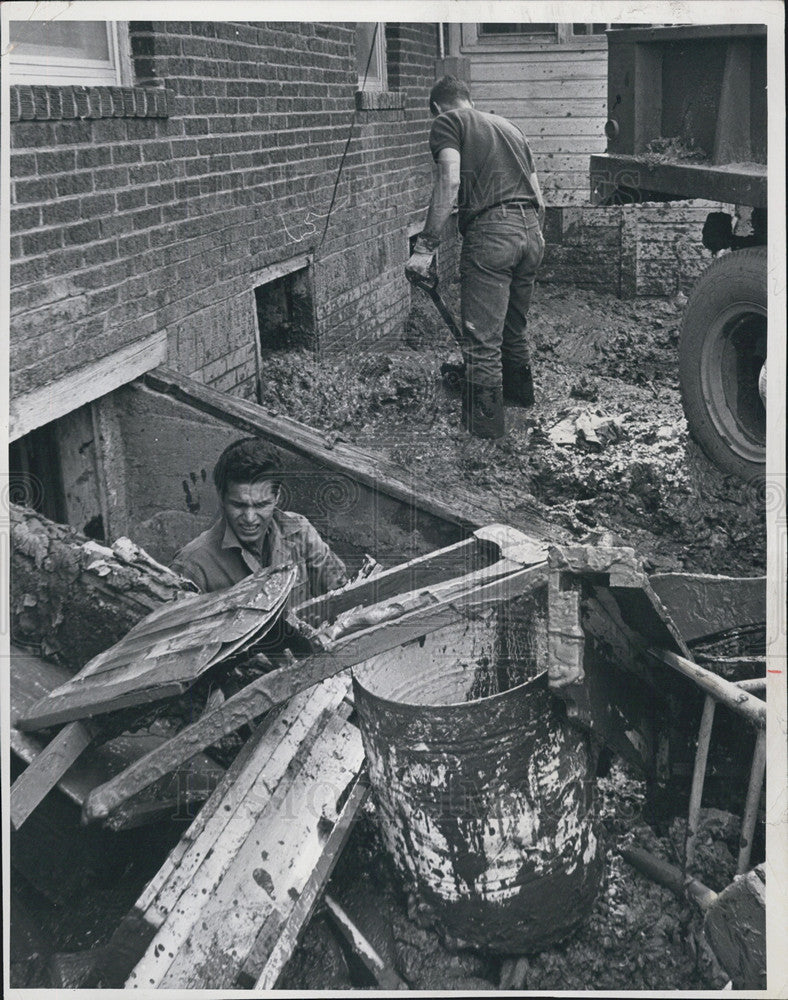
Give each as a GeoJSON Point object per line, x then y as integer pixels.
{"type": "Point", "coordinates": [285, 313]}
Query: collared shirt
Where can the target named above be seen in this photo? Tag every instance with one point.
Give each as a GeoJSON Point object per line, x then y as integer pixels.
{"type": "Point", "coordinates": [216, 559]}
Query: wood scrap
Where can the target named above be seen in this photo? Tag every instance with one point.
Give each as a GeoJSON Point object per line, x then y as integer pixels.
{"type": "Point", "coordinates": [230, 891]}
{"type": "Point", "coordinates": [165, 654]}
{"type": "Point", "coordinates": [31, 678]}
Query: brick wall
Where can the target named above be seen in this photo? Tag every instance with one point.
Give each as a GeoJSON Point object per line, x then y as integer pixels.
{"type": "Point", "coordinates": [135, 210]}
{"type": "Point", "coordinates": [650, 250]}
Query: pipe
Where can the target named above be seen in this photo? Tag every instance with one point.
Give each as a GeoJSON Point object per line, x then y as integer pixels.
{"type": "Point", "coordinates": [729, 694]}
{"type": "Point", "coordinates": [751, 805]}
{"type": "Point", "coordinates": [441, 50]}
{"type": "Point", "coordinates": [670, 876]}
{"type": "Point", "coordinates": [698, 778]}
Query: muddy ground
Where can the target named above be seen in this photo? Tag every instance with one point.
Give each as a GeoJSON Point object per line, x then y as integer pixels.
{"type": "Point", "coordinates": [593, 354]}
{"type": "Point", "coordinates": [646, 482]}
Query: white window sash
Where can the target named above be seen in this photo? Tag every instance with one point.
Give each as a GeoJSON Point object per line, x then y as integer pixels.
{"type": "Point", "coordinates": [58, 70]}
{"type": "Point", "coordinates": [376, 76]}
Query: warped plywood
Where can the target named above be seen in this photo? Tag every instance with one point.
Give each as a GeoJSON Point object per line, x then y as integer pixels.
{"type": "Point", "coordinates": [168, 651]}
{"type": "Point", "coordinates": [231, 890]}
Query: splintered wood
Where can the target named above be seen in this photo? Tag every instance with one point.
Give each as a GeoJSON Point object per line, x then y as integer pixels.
{"type": "Point", "coordinates": [31, 679]}
{"type": "Point", "coordinates": [226, 894]}
{"type": "Point", "coordinates": [168, 651]}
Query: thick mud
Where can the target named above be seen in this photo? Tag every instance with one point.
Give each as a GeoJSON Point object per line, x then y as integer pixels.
{"type": "Point", "coordinates": [611, 363]}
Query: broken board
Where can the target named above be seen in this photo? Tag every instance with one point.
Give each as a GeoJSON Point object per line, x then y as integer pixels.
{"type": "Point", "coordinates": [165, 653]}
{"type": "Point", "coordinates": [227, 906]}
{"type": "Point", "coordinates": [32, 678]}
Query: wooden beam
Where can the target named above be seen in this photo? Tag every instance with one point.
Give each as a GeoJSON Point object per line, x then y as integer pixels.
{"type": "Point", "coordinates": [262, 970]}
{"type": "Point", "coordinates": [54, 400]}
{"type": "Point", "coordinates": [725, 692]}
{"type": "Point", "coordinates": [46, 770]}
{"type": "Point", "coordinates": [235, 885]}
{"type": "Point", "coordinates": [375, 473]}
{"type": "Point", "coordinates": [385, 976]}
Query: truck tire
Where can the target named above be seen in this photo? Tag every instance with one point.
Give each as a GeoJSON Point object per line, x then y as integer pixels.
{"type": "Point", "coordinates": [721, 351]}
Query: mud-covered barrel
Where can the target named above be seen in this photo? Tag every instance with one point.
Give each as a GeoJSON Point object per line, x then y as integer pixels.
{"type": "Point", "coordinates": [484, 792]}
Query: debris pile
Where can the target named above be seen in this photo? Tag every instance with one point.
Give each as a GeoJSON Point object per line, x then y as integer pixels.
{"type": "Point", "coordinates": [645, 480]}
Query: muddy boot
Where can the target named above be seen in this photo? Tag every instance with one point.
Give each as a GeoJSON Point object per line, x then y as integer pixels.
{"type": "Point", "coordinates": [482, 410]}
{"type": "Point", "coordinates": [518, 384]}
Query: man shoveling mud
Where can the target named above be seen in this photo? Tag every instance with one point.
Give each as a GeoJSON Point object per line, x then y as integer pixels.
{"type": "Point", "coordinates": [485, 163]}
{"type": "Point", "coordinates": [253, 532]}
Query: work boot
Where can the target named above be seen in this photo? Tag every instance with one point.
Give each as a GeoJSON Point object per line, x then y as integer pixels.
{"type": "Point", "coordinates": [482, 410]}
{"type": "Point", "coordinates": [518, 383]}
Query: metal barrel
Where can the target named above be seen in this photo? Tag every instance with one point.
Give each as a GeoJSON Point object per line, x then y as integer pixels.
{"type": "Point", "coordinates": [486, 805]}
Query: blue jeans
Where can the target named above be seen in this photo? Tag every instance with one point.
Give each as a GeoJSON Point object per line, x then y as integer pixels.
{"type": "Point", "coordinates": [501, 251]}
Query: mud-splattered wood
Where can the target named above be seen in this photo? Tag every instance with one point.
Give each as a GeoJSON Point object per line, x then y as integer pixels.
{"type": "Point", "coordinates": [32, 678]}
{"type": "Point", "coordinates": [165, 654]}
{"type": "Point", "coordinates": [262, 867]}
{"type": "Point", "coordinates": [288, 739]}
{"type": "Point", "coordinates": [266, 961]}
{"type": "Point", "coordinates": [43, 773]}
{"type": "Point", "coordinates": [385, 976]}
{"type": "Point", "coordinates": [702, 605]}
{"type": "Point", "coordinates": [279, 685]}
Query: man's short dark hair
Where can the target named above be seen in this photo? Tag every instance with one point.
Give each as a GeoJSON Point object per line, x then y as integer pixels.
{"type": "Point", "coordinates": [248, 460]}
{"type": "Point", "coordinates": [449, 90]}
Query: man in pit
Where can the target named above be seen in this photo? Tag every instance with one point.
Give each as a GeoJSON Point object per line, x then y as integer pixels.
{"type": "Point", "coordinates": [253, 533]}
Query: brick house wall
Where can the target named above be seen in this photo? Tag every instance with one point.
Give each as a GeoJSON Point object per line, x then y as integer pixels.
{"type": "Point", "coordinates": [154, 210]}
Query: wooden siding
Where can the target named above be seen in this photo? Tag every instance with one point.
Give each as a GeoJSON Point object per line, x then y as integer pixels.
{"type": "Point", "coordinates": [557, 95]}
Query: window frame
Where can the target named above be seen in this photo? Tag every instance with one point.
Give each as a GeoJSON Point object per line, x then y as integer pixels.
{"type": "Point", "coordinates": [473, 41]}
{"type": "Point", "coordinates": [377, 80]}
{"type": "Point", "coordinates": [62, 71]}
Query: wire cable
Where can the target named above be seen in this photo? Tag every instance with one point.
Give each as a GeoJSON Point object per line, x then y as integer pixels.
{"type": "Point", "coordinates": [347, 146]}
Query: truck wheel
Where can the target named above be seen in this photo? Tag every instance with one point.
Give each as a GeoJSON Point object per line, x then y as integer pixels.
{"type": "Point", "coordinates": [721, 351]}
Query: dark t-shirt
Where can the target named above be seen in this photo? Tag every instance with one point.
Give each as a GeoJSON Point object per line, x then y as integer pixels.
{"type": "Point", "coordinates": [495, 160]}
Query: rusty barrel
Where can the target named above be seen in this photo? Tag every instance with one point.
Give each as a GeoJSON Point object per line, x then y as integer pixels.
{"type": "Point", "coordinates": [485, 803]}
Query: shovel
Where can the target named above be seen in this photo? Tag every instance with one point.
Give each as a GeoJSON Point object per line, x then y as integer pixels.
{"type": "Point", "coordinates": [453, 375]}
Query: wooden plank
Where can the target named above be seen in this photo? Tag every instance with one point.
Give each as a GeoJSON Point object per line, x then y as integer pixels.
{"type": "Point", "coordinates": [463, 508]}
{"type": "Point", "coordinates": [584, 66]}
{"type": "Point", "coordinates": [257, 866]}
{"type": "Point", "coordinates": [264, 964]}
{"type": "Point", "coordinates": [557, 106]}
{"type": "Point", "coordinates": [522, 92]}
{"type": "Point", "coordinates": [702, 605]}
{"type": "Point", "coordinates": [738, 183]}
{"type": "Point", "coordinates": [157, 668]}
{"type": "Point", "coordinates": [294, 834]}
{"type": "Point", "coordinates": [42, 406]}
{"type": "Point", "coordinates": [255, 784]}
{"type": "Point", "coordinates": [31, 678]}
{"type": "Point", "coordinates": [277, 686]}
{"type": "Point", "coordinates": [384, 975]}
{"type": "Point", "coordinates": [422, 571]}
{"type": "Point", "coordinates": [41, 776]}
